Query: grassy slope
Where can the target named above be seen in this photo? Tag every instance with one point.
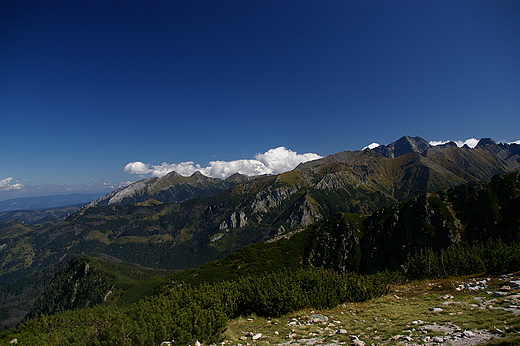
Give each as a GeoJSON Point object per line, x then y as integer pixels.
{"type": "Point", "coordinates": [379, 320]}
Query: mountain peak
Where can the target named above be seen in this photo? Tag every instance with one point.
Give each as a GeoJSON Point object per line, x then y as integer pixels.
{"type": "Point", "coordinates": [197, 174]}
{"type": "Point", "coordinates": [485, 142]}
{"type": "Point", "coordinates": [403, 146]}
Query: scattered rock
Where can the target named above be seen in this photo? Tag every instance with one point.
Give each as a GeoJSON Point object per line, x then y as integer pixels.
{"type": "Point", "coordinates": [316, 318]}
{"type": "Point", "coordinates": [257, 336]}
{"type": "Point", "coordinates": [474, 286]}
{"type": "Point", "coordinates": [468, 334]}
{"type": "Point", "coordinates": [164, 343]}
{"type": "Point", "coordinates": [438, 339]}
{"type": "Point", "coordinates": [450, 302]}
{"type": "Point", "coordinates": [341, 331]}
{"type": "Point", "coordinates": [436, 310]}
{"type": "Point", "coordinates": [355, 341]}
{"type": "Point", "coordinates": [514, 284]}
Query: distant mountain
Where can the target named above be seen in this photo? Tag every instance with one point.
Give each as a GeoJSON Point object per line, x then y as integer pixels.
{"type": "Point", "coordinates": [190, 233]}
{"type": "Point", "coordinates": [471, 212]}
{"type": "Point", "coordinates": [172, 188]}
{"type": "Point", "coordinates": [507, 152]}
{"type": "Point", "coordinates": [467, 213]}
{"type": "Point", "coordinates": [46, 202]}
{"type": "Point", "coordinates": [160, 234]}
{"type": "Point", "coordinates": [39, 217]}
{"type": "Point", "coordinates": [403, 146]}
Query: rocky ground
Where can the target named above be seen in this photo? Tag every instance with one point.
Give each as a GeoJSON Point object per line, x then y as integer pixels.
{"type": "Point", "coordinates": [458, 311]}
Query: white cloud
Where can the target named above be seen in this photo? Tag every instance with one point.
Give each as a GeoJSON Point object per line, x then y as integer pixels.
{"type": "Point", "coordinates": [137, 167]}
{"type": "Point", "coordinates": [372, 146]}
{"type": "Point", "coordinates": [223, 169]}
{"type": "Point", "coordinates": [281, 159]}
{"type": "Point", "coordinates": [273, 161]}
{"type": "Point", "coordinates": [10, 184]}
{"type": "Point", "coordinates": [472, 142]}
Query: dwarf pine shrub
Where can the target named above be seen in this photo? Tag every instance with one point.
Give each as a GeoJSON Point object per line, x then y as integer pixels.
{"type": "Point", "coordinates": [492, 256]}
{"type": "Point", "coordinates": [190, 313]}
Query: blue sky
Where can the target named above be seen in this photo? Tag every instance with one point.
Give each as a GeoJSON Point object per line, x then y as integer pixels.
{"type": "Point", "coordinates": [87, 87]}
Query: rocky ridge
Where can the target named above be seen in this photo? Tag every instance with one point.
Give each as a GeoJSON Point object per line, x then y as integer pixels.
{"type": "Point", "coordinates": [171, 188]}
{"type": "Point", "coordinates": [184, 235]}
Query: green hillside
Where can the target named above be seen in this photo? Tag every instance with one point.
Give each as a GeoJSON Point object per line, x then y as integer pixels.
{"type": "Point", "coordinates": [187, 235]}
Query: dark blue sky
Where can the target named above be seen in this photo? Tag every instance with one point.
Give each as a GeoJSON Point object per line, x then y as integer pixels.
{"type": "Point", "coordinates": [87, 87]}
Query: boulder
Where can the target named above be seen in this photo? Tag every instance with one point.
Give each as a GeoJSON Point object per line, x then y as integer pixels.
{"type": "Point", "coordinates": [317, 318]}
{"type": "Point", "coordinates": [436, 310]}
{"type": "Point", "coordinates": [438, 339]}
{"type": "Point", "coordinates": [468, 334]}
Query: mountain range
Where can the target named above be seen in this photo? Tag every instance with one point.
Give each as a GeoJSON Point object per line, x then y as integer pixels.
{"type": "Point", "coordinates": [178, 223]}
{"type": "Point", "coordinates": [45, 202]}
{"type": "Point", "coordinates": [171, 188]}
{"type": "Point", "coordinates": [470, 213]}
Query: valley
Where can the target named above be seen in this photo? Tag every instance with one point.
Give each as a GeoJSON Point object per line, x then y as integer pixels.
{"type": "Point", "coordinates": [388, 209]}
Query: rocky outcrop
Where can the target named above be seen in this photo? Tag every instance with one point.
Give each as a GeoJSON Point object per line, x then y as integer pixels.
{"type": "Point", "coordinates": [383, 240]}
{"type": "Point", "coordinates": [271, 198]}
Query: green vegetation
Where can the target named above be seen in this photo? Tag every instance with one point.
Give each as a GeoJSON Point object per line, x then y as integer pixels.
{"type": "Point", "coordinates": [188, 313]}
{"type": "Point", "coordinates": [387, 320]}
{"type": "Point", "coordinates": [422, 232]}
{"type": "Point", "coordinates": [88, 281]}
{"type": "Point", "coordinates": [492, 256]}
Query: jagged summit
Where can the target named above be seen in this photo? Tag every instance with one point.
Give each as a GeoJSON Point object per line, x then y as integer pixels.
{"type": "Point", "coordinates": [172, 187]}
{"type": "Point", "coordinates": [403, 146]}
{"type": "Point", "coordinates": [507, 152]}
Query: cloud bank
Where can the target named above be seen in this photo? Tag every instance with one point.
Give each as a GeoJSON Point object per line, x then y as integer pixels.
{"type": "Point", "coordinates": [273, 161]}
{"type": "Point", "coordinates": [472, 142]}
{"type": "Point", "coordinates": [10, 183]}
